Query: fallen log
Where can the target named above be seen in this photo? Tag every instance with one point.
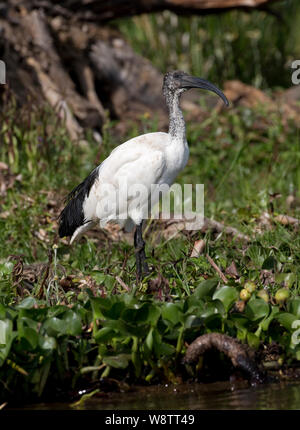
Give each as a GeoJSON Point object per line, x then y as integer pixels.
{"type": "Point", "coordinates": [104, 11]}
{"type": "Point", "coordinates": [240, 355]}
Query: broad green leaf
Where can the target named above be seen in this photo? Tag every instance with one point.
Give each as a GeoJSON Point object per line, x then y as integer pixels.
{"type": "Point", "coordinates": [164, 349]}
{"type": "Point", "coordinates": [100, 305]}
{"type": "Point", "coordinates": [192, 321]}
{"type": "Point", "coordinates": [72, 322]}
{"type": "Point", "coordinates": [104, 334]}
{"type": "Point", "coordinates": [241, 323]}
{"type": "Point", "coordinates": [288, 279]}
{"type": "Point", "coordinates": [206, 288]}
{"type": "Point", "coordinates": [264, 324]}
{"type": "Point", "coordinates": [257, 309]}
{"type": "Point", "coordinates": [172, 312]}
{"type": "Point", "coordinates": [54, 326]}
{"type": "Point", "coordinates": [227, 295]}
{"type": "Point", "coordinates": [6, 337]}
{"type": "Point", "coordinates": [6, 268]}
{"type": "Point", "coordinates": [27, 303]}
{"type": "Point", "coordinates": [118, 361]}
{"type": "Point", "coordinates": [294, 306]}
{"type": "Point", "coordinates": [208, 310]}
{"type": "Point", "coordinates": [286, 319]}
{"type": "Point", "coordinates": [31, 336]}
{"type": "Point", "coordinates": [137, 314]}
{"type": "Point", "coordinates": [154, 313]}
{"type": "Point", "coordinates": [149, 339]}
{"type": "Point", "coordinates": [47, 342]}
{"type": "Point", "coordinates": [253, 340]}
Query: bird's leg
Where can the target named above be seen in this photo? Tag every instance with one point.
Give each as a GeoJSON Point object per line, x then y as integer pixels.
{"type": "Point", "coordinates": [137, 257]}
{"type": "Point", "coordinates": [139, 244]}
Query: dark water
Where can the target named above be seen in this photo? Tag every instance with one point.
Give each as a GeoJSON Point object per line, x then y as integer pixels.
{"type": "Point", "coordinates": [221, 395]}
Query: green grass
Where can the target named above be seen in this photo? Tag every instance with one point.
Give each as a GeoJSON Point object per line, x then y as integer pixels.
{"type": "Point", "coordinates": [66, 334]}
{"type": "Point", "coordinates": [255, 47]}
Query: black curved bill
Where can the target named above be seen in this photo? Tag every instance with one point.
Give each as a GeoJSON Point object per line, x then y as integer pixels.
{"type": "Point", "coordinates": [193, 82]}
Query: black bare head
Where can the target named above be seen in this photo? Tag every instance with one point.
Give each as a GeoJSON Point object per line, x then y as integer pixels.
{"type": "Point", "coordinates": [177, 82]}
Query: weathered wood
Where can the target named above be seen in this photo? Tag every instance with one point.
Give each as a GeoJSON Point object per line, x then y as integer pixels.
{"type": "Point", "coordinates": [104, 10]}
{"type": "Point", "coordinates": [83, 69]}
{"type": "Point", "coordinates": [240, 355]}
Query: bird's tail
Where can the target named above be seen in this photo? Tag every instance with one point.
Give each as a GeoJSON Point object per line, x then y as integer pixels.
{"type": "Point", "coordinates": [72, 216]}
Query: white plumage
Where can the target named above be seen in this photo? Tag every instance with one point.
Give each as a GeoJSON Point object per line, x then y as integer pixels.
{"type": "Point", "coordinates": [153, 158]}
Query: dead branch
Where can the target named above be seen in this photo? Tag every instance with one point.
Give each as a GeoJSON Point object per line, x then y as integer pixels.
{"type": "Point", "coordinates": [240, 355]}
{"type": "Point", "coordinates": [217, 269]}
{"type": "Point", "coordinates": [103, 10]}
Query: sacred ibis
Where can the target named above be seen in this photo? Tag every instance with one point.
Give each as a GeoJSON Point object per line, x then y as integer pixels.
{"type": "Point", "coordinates": [153, 158]}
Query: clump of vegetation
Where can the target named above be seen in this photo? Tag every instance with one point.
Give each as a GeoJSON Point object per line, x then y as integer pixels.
{"type": "Point", "coordinates": [256, 47]}
{"type": "Point", "coordinates": [69, 316]}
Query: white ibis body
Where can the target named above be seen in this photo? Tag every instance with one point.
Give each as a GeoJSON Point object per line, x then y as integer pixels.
{"type": "Point", "coordinates": [147, 160]}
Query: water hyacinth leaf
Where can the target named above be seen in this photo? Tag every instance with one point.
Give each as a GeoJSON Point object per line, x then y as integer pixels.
{"type": "Point", "coordinates": [27, 322]}
{"type": "Point", "coordinates": [172, 312]}
{"type": "Point", "coordinates": [115, 311]}
{"type": "Point", "coordinates": [288, 279]}
{"type": "Point", "coordinates": [241, 323]}
{"type": "Point", "coordinates": [137, 362]}
{"type": "Point", "coordinates": [214, 322]}
{"type": "Point", "coordinates": [149, 339]}
{"type": "Point", "coordinates": [55, 311]}
{"type": "Point", "coordinates": [257, 309]}
{"type": "Point", "coordinates": [286, 319]}
{"type": "Point", "coordinates": [47, 342]}
{"type": "Point", "coordinates": [206, 288]}
{"type": "Point", "coordinates": [119, 361]}
{"type": "Point", "coordinates": [118, 326]}
{"type": "Point", "coordinates": [44, 375]}
{"type": "Point", "coordinates": [164, 349]}
{"type": "Point", "coordinates": [31, 336]}
{"type": "Point", "coordinates": [137, 314]}
{"type": "Point", "coordinates": [104, 334]}
{"type": "Point", "coordinates": [3, 311]}
{"type": "Point", "coordinates": [100, 305]}
{"type": "Point", "coordinates": [253, 340]}
{"type": "Point", "coordinates": [208, 310]}
{"type": "Point", "coordinates": [27, 303]}
{"type": "Point", "coordinates": [72, 323]}
{"type": "Point", "coordinates": [54, 326]}
{"type": "Point", "coordinates": [161, 348]}
{"type": "Point", "coordinates": [227, 296]}
{"type": "Point", "coordinates": [6, 268]}
{"type": "Point", "coordinates": [294, 306]}
{"type": "Point", "coordinates": [192, 304]}
{"type": "Point", "coordinates": [154, 312]}
{"type": "Point", "coordinates": [267, 321]}
{"type": "Point", "coordinates": [192, 321]}
{"type": "Point", "coordinates": [6, 337]}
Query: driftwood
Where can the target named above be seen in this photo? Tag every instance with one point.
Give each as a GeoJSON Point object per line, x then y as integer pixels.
{"type": "Point", "coordinates": [59, 52]}
{"type": "Point", "coordinates": [103, 10]}
{"type": "Point", "coordinates": [240, 355]}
